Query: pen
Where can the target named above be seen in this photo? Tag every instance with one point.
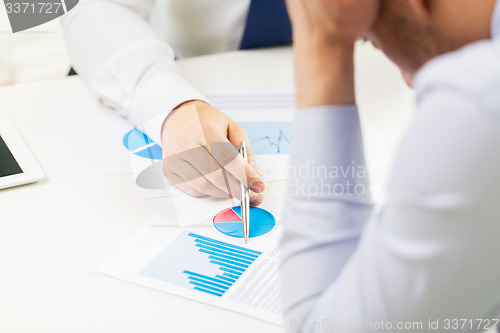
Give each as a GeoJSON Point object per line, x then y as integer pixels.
{"type": "Point", "coordinates": [245, 198]}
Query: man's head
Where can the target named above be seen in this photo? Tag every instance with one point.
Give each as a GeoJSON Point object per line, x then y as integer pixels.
{"type": "Point", "coordinates": [411, 32]}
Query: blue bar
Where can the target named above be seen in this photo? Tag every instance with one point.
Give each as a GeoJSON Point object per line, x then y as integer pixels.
{"type": "Point", "coordinates": [221, 263]}
{"type": "Point", "coordinates": [214, 246]}
{"type": "Point", "coordinates": [218, 285]}
{"type": "Point", "coordinates": [230, 271]}
{"type": "Point", "coordinates": [202, 276]}
{"type": "Point", "coordinates": [226, 278]}
{"type": "Point", "coordinates": [218, 253]}
{"type": "Point", "coordinates": [209, 279]}
{"type": "Point", "coordinates": [207, 286]}
{"type": "Point", "coordinates": [227, 261]}
{"type": "Point", "coordinates": [231, 276]}
{"type": "Point", "coordinates": [207, 291]}
{"type": "Point", "coordinates": [225, 244]}
{"type": "Point", "coordinates": [226, 248]}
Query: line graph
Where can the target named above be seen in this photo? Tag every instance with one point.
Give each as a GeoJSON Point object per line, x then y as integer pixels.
{"type": "Point", "coordinates": [269, 137]}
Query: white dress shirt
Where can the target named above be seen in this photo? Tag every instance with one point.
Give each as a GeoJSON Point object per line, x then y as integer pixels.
{"type": "Point", "coordinates": [431, 252]}
{"type": "Point", "coordinates": [130, 63]}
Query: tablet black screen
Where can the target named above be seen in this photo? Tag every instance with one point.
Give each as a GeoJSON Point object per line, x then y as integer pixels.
{"type": "Point", "coordinates": [8, 164]}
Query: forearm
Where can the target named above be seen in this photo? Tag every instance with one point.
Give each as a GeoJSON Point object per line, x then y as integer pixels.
{"type": "Point", "coordinates": [97, 31]}
{"type": "Point", "coordinates": [324, 72]}
{"type": "Point", "coordinates": [125, 63]}
{"type": "Point", "coordinates": [324, 33]}
{"type": "Point", "coordinates": [328, 203]}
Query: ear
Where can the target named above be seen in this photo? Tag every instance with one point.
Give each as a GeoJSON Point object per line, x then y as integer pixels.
{"type": "Point", "coordinates": [421, 8]}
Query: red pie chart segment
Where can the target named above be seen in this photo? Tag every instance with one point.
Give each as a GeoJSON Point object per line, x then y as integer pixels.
{"type": "Point", "coordinates": [229, 222]}
{"type": "Point", "coordinates": [228, 215]}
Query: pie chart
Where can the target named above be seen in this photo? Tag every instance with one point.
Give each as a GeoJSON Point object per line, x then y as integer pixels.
{"type": "Point", "coordinates": [142, 145]}
{"type": "Point", "coordinates": [229, 222]}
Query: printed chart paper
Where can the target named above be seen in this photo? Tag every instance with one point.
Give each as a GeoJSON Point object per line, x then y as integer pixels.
{"type": "Point", "coordinates": [205, 265]}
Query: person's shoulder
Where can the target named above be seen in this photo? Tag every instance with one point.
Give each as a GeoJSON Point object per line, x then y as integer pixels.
{"type": "Point", "coordinates": [472, 71]}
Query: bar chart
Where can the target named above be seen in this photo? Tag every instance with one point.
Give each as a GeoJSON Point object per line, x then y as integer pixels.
{"type": "Point", "coordinates": [201, 263]}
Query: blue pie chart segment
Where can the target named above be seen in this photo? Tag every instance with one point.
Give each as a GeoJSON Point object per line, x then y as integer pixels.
{"type": "Point", "coordinates": [229, 222]}
{"type": "Point", "coordinates": [142, 145]}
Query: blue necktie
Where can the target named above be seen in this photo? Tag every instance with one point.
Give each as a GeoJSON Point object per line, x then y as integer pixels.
{"type": "Point", "coordinates": [267, 25]}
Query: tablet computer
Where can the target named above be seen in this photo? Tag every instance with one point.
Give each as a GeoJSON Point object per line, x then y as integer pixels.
{"type": "Point", "coordinates": [17, 164]}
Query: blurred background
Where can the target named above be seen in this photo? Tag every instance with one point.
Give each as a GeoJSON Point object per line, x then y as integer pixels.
{"type": "Point", "coordinates": [37, 54]}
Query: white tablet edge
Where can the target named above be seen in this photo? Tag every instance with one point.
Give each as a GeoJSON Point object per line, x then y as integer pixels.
{"type": "Point", "coordinates": [31, 169]}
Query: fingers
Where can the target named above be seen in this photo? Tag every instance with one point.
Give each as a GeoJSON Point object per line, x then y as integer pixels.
{"type": "Point", "coordinates": [186, 175]}
{"type": "Point", "coordinates": [203, 186]}
{"type": "Point", "coordinates": [207, 188]}
{"type": "Point", "coordinates": [227, 182]}
{"type": "Point", "coordinates": [252, 177]}
{"type": "Point", "coordinates": [199, 163]}
{"type": "Point", "coordinates": [186, 188]}
{"type": "Point", "coordinates": [251, 156]}
{"type": "Point", "coordinates": [225, 155]}
{"type": "Point", "coordinates": [256, 198]}
{"type": "Point", "coordinates": [200, 188]}
{"type": "Point", "coordinates": [235, 135]}
{"type": "Point", "coordinates": [199, 173]}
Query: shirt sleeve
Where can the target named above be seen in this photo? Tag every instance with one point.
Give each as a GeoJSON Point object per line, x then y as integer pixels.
{"type": "Point", "coordinates": [426, 255]}
{"type": "Point", "coordinates": [124, 62]}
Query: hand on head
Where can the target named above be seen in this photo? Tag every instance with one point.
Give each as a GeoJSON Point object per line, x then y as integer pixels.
{"type": "Point", "coordinates": [409, 32]}
{"type": "Point", "coordinates": [332, 20]}
{"type": "Point", "coordinates": [324, 32]}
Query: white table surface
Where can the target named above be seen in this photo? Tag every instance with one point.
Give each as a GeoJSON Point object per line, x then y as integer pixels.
{"type": "Point", "coordinates": [55, 234]}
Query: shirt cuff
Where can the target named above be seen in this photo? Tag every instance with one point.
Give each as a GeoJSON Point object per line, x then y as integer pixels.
{"type": "Point", "coordinates": [327, 154]}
